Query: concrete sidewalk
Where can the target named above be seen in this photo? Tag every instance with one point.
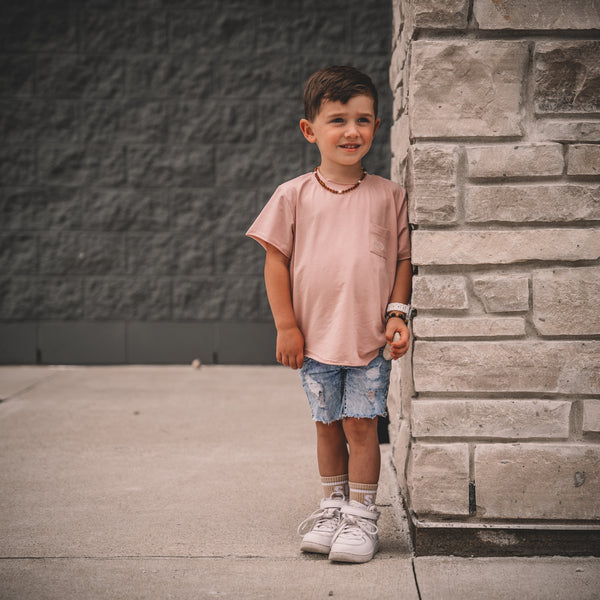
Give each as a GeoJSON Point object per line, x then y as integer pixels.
{"type": "Point", "coordinates": [173, 482]}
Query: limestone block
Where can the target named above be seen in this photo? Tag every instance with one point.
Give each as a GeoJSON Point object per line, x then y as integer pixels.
{"type": "Point", "coordinates": [503, 247]}
{"type": "Point", "coordinates": [431, 185]}
{"type": "Point", "coordinates": [567, 367]}
{"type": "Point", "coordinates": [463, 89]}
{"type": "Point", "coordinates": [143, 299]}
{"type": "Point", "coordinates": [502, 293]}
{"type": "Point", "coordinates": [443, 327]}
{"type": "Point", "coordinates": [566, 77]}
{"type": "Point", "coordinates": [440, 14]}
{"type": "Point", "coordinates": [536, 14]}
{"type": "Point", "coordinates": [537, 481]}
{"type": "Point", "coordinates": [438, 479]}
{"type": "Point", "coordinates": [583, 159]}
{"type": "Point", "coordinates": [440, 292]}
{"type": "Point", "coordinates": [523, 418]}
{"type": "Point", "coordinates": [400, 454]}
{"type": "Point", "coordinates": [510, 160]}
{"type": "Point", "coordinates": [567, 301]}
{"type": "Point", "coordinates": [566, 131]}
{"type": "Point", "coordinates": [407, 386]}
{"type": "Point", "coordinates": [527, 203]}
{"type": "Point", "coordinates": [394, 399]}
{"type": "Point", "coordinates": [591, 416]}
{"type": "Point", "coordinates": [396, 70]}
{"type": "Point", "coordinates": [400, 139]}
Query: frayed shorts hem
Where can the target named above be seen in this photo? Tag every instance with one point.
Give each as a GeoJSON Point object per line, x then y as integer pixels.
{"type": "Point", "coordinates": [343, 417]}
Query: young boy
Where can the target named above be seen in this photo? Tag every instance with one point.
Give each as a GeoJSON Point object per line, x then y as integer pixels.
{"type": "Point", "coordinates": [338, 279]}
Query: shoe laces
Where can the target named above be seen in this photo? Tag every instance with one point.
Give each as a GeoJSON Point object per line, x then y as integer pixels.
{"type": "Point", "coordinates": [355, 527]}
{"type": "Point", "coordinates": [323, 519]}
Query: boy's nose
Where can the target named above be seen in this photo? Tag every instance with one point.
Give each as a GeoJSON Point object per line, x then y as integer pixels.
{"type": "Point", "coordinates": [351, 130]}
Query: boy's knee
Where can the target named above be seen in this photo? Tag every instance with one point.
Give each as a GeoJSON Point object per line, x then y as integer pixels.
{"type": "Point", "coordinates": [360, 430]}
{"type": "Point", "coordinates": [331, 429]}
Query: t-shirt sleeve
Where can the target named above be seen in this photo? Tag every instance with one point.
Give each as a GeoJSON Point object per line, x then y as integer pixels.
{"type": "Point", "coordinates": [275, 224]}
{"type": "Point", "coordinates": [403, 229]}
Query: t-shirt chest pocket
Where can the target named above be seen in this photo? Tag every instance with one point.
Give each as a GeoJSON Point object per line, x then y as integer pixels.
{"type": "Point", "coordinates": [378, 239]}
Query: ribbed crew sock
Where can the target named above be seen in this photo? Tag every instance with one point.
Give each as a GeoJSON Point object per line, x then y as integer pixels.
{"type": "Point", "coordinates": [335, 484]}
{"type": "Point", "coordinates": [365, 493]}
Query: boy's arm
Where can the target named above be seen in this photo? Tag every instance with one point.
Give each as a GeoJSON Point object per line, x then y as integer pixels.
{"type": "Point", "coordinates": [290, 341]}
{"type": "Point", "coordinates": [400, 293]}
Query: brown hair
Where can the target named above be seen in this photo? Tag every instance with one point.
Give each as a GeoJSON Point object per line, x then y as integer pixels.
{"type": "Point", "coordinates": [336, 84]}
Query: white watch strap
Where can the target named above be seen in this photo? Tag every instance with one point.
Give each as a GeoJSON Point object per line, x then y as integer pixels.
{"type": "Point", "coordinates": [403, 308]}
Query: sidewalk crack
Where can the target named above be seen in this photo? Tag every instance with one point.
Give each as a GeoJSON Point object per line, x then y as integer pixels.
{"type": "Point", "coordinates": [412, 562]}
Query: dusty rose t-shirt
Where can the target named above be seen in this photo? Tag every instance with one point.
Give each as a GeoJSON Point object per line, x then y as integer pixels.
{"type": "Point", "coordinates": [343, 250]}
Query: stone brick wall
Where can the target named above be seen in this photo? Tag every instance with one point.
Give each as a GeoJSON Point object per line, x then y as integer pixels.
{"type": "Point", "coordinates": [140, 138]}
{"type": "Point", "coordinates": [497, 138]}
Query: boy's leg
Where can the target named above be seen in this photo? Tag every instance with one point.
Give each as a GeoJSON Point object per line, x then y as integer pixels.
{"type": "Point", "coordinates": [365, 458]}
{"type": "Point", "coordinates": [332, 452]}
{"type": "Point", "coordinates": [332, 458]}
{"type": "Point", "coordinates": [356, 539]}
{"type": "Point", "coordinates": [323, 387]}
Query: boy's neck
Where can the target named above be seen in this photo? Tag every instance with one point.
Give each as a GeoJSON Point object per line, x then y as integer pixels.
{"type": "Point", "coordinates": [343, 174]}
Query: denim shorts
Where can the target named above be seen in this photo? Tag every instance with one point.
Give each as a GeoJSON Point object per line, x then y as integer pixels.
{"type": "Point", "coordinates": [335, 392]}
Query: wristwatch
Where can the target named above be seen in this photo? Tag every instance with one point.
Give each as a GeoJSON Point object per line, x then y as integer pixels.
{"type": "Point", "coordinates": [397, 309]}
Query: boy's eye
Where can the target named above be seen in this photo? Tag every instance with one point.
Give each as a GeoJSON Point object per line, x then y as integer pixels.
{"type": "Point", "coordinates": [337, 120]}
{"type": "Point", "coordinates": [364, 120]}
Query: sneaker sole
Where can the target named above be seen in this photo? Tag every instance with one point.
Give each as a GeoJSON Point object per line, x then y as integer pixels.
{"type": "Point", "coordinates": [341, 556]}
{"type": "Point", "coordinates": [314, 547]}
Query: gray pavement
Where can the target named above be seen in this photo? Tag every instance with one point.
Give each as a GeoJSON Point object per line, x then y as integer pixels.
{"type": "Point", "coordinates": [174, 482]}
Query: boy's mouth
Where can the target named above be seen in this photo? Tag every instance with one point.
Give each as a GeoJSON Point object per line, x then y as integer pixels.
{"type": "Point", "coordinates": [350, 146]}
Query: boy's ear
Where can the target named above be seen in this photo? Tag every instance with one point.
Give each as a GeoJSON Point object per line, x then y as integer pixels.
{"type": "Point", "coordinates": [377, 124]}
{"type": "Point", "coordinates": [307, 130]}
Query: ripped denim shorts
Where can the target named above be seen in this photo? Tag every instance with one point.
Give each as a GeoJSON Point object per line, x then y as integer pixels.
{"type": "Point", "coordinates": [335, 392]}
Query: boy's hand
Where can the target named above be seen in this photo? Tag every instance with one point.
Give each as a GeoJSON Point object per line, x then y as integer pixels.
{"type": "Point", "coordinates": [399, 348]}
{"type": "Point", "coordinates": [290, 347]}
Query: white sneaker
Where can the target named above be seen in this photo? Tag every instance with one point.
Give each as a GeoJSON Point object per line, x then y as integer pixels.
{"type": "Point", "coordinates": [318, 530]}
{"type": "Point", "coordinates": [356, 539]}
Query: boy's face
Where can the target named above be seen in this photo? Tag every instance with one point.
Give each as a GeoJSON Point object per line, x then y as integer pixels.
{"type": "Point", "coordinates": [343, 132]}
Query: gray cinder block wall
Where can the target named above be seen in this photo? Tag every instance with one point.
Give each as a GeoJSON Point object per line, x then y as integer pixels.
{"type": "Point", "coordinates": [496, 424]}
{"type": "Point", "coordinates": [140, 138]}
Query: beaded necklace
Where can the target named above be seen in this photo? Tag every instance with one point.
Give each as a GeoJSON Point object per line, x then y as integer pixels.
{"type": "Point", "coordinates": [353, 187]}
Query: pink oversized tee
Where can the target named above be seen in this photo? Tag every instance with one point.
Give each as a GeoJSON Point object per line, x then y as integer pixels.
{"type": "Point", "coordinates": [343, 250]}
